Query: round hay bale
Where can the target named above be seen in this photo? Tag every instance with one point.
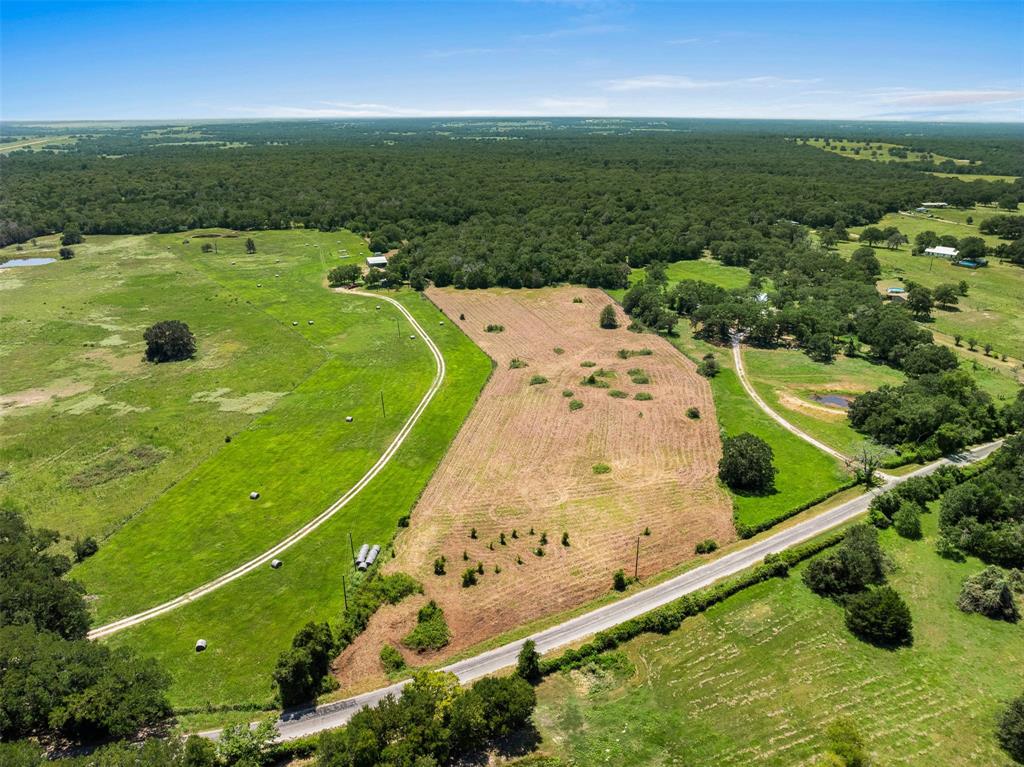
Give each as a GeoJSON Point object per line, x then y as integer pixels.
{"type": "Point", "coordinates": [254, 496]}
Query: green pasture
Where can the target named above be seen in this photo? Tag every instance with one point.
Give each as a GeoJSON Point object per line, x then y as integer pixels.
{"type": "Point", "coordinates": [879, 151]}
{"type": "Point", "coordinates": [992, 310]}
{"type": "Point", "coordinates": [974, 176]}
{"type": "Point", "coordinates": [788, 379]}
{"type": "Point", "coordinates": [757, 679]}
{"type": "Point", "coordinates": [250, 621]}
{"type": "Point", "coordinates": [706, 269]}
{"type": "Point", "coordinates": [805, 472]}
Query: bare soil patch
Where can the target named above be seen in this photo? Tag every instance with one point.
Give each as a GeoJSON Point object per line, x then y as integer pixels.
{"type": "Point", "coordinates": [524, 460]}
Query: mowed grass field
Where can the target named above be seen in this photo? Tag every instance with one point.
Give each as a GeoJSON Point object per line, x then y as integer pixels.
{"type": "Point", "coordinates": [250, 621]}
{"type": "Point", "coordinates": [804, 472]}
{"type": "Point", "coordinates": [877, 151]}
{"type": "Point", "coordinates": [991, 312]}
{"type": "Point", "coordinates": [706, 269]}
{"type": "Point", "coordinates": [756, 680]}
{"type": "Point", "coordinates": [788, 380]}
{"type": "Point", "coordinates": [279, 390]}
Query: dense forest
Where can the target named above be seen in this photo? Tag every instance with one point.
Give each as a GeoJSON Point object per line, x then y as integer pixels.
{"type": "Point", "coordinates": [474, 203]}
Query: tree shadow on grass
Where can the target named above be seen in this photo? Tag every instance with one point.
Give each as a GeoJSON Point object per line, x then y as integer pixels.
{"type": "Point", "coordinates": [518, 744]}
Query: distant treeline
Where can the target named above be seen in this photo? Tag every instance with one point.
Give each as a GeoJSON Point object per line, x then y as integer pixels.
{"type": "Point", "coordinates": [553, 203]}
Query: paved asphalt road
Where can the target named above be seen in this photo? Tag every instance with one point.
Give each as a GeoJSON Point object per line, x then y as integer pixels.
{"type": "Point", "coordinates": [298, 723]}
{"type": "Point", "coordinates": [266, 557]}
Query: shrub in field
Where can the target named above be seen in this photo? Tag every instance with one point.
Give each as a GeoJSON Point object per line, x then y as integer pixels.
{"type": "Point", "coordinates": [515, 363]}
{"type": "Point", "coordinates": [535, 380]}
{"type": "Point", "coordinates": [480, 568]}
{"type": "Point", "coordinates": [588, 364]}
{"type": "Point", "coordinates": [907, 520]}
{"type": "Point", "coordinates": [575, 404]}
{"type": "Point", "coordinates": [558, 350]}
{"type": "Point", "coordinates": [469, 577]}
{"type": "Point", "coordinates": [439, 564]}
{"type": "Point", "coordinates": [301, 670]}
{"type": "Point", "coordinates": [539, 551]}
{"type": "Point", "coordinates": [845, 744]}
{"type": "Point", "coordinates": [746, 463]}
{"type": "Point", "coordinates": [601, 468]}
{"type": "Point", "coordinates": [528, 662]}
{"type": "Point", "coordinates": [565, 539]}
{"type": "Point", "coordinates": [709, 366]}
{"type": "Point", "coordinates": [880, 616]}
{"type": "Point", "coordinates": [619, 580]}
{"type": "Point", "coordinates": [625, 354]}
{"type": "Point", "coordinates": [66, 253]}
{"type": "Point", "coordinates": [617, 394]}
{"type": "Point", "coordinates": [693, 413]}
{"type": "Point", "coordinates": [989, 593]}
{"type": "Point", "coordinates": [644, 396]}
{"type": "Point", "coordinates": [391, 659]}
{"type": "Point", "coordinates": [608, 320]}
{"type": "Point", "coordinates": [638, 376]}
{"type": "Point", "coordinates": [594, 381]}
{"type": "Point", "coordinates": [431, 632]}
{"type": "Point", "coordinates": [169, 341]}
{"type": "Point", "coordinates": [855, 564]}
{"type": "Point", "coordinates": [472, 533]}
{"type": "Point", "coordinates": [577, 300]}
{"type": "Point", "coordinates": [494, 329]}
{"type": "Point", "coordinates": [706, 546]}
{"type": "Point", "coordinates": [567, 392]}
{"type": "Point", "coordinates": [544, 538]}
{"type": "Point", "coordinates": [1010, 730]}
{"type": "Point", "coordinates": [72, 235]}
{"type": "Point", "coordinates": [344, 274]}
{"type": "Point", "coordinates": [84, 548]}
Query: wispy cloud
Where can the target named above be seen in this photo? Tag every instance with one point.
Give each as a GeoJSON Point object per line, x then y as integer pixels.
{"type": "Point", "coordinates": [581, 30]}
{"type": "Point", "coordinates": [362, 109]}
{"type": "Point", "coordinates": [685, 83]}
{"type": "Point", "coordinates": [910, 97]}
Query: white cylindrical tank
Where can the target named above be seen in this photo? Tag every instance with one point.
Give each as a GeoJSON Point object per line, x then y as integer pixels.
{"type": "Point", "coordinates": [372, 556]}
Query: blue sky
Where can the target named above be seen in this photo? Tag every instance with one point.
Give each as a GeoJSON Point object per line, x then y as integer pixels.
{"type": "Point", "coordinates": [836, 60]}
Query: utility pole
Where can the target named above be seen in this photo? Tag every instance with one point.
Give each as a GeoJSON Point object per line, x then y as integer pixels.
{"type": "Point", "coordinates": [398, 328]}
{"type": "Point", "coordinates": [383, 412]}
{"type": "Point", "coordinates": [636, 566]}
{"type": "Point", "coordinates": [352, 549]}
{"type": "Point", "coordinates": [344, 593]}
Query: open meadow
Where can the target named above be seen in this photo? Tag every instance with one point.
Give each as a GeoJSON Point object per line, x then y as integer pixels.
{"type": "Point", "coordinates": [567, 437]}
{"type": "Point", "coordinates": [756, 679]}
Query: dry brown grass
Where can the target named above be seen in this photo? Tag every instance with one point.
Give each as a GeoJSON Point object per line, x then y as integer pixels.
{"type": "Point", "coordinates": [523, 460]}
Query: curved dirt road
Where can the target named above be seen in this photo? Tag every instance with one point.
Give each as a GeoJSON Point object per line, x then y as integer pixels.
{"type": "Point", "coordinates": [265, 558]}
{"type": "Point", "coordinates": [298, 723]}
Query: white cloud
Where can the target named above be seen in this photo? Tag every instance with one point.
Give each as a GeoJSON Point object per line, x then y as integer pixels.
{"type": "Point", "coordinates": [684, 83]}
{"type": "Point", "coordinates": [948, 97]}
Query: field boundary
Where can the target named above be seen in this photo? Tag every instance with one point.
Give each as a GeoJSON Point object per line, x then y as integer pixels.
{"type": "Point", "coordinates": [265, 558]}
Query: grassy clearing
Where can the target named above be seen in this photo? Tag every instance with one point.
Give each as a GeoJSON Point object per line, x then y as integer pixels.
{"type": "Point", "coordinates": [787, 379]}
{"type": "Point", "coordinates": [991, 312]}
{"type": "Point", "coordinates": [878, 151]}
{"type": "Point", "coordinates": [706, 269]}
{"type": "Point", "coordinates": [250, 621]}
{"type": "Point", "coordinates": [805, 472]}
{"type": "Point", "coordinates": [756, 679]}
{"type": "Point", "coordinates": [974, 176]}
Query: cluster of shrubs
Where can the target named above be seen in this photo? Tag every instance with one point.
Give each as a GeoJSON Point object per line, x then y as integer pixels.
{"type": "Point", "coordinates": [902, 506]}
{"type": "Point", "coordinates": [990, 593]}
{"type": "Point", "coordinates": [854, 575]}
{"type": "Point", "coordinates": [431, 631]}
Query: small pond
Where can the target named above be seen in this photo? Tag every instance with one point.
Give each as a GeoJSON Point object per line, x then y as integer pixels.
{"type": "Point", "coordinates": [835, 400]}
{"type": "Point", "coordinates": [26, 262]}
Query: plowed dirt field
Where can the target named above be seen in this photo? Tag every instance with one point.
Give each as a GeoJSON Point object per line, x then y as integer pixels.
{"type": "Point", "coordinates": [525, 461]}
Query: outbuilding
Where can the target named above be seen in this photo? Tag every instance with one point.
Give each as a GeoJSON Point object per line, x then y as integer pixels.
{"type": "Point", "coordinates": [377, 260]}
{"type": "Point", "coordinates": [942, 250]}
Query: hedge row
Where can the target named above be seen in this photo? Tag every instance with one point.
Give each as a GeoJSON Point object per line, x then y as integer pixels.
{"type": "Point", "coordinates": [744, 530]}
{"type": "Point", "coordinates": [671, 616]}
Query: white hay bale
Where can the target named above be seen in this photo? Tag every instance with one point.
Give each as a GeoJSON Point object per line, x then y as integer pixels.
{"type": "Point", "coordinates": [253, 496]}
{"type": "Point", "coordinates": [276, 563]}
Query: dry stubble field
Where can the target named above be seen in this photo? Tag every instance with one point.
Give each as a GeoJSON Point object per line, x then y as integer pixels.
{"type": "Point", "coordinates": [523, 460]}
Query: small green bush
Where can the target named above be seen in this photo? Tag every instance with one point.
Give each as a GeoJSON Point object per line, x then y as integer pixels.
{"type": "Point", "coordinates": [577, 300]}
{"type": "Point", "coordinates": [538, 380]}
{"type": "Point", "coordinates": [515, 363]}
{"type": "Point", "coordinates": [575, 404]}
{"type": "Point", "coordinates": [567, 392]}
{"type": "Point", "coordinates": [494, 328]}
{"type": "Point", "coordinates": [439, 564]}
{"type": "Point", "coordinates": [588, 364]}
{"type": "Point", "coordinates": [565, 539]}
{"type": "Point", "coordinates": [706, 546]}
{"type": "Point", "coordinates": [693, 412]}
{"type": "Point", "coordinates": [391, 659]}
{"type": "Point", "coordinates": [644, 396]}
{"type": "Point", "coordinates": [431, 632]}
{"type": "Point", "coordinates": [619, 582]}
{"type": "Point", "coordinates": [601, 468]}
{"type": "Point", "coordinates": [469, 577]}
{"type": "Point", "coordinates": [539, 551]}
{"type": "Point", "coordinates": [558, 350]}
{"type": "Point", "coordinates": [618, 394]}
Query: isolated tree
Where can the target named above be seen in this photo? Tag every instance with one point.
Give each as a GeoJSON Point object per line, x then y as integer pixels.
{"type": "Point", "coordinates": [946, 295]}
{"type": "Point", "coordinates": [619, 581]}
{"type": "Point", "coordinates": [865, 258]}
{"type": "Point", "coordinates": [169, 341]}
{"type": "Point", "coordinates": [907, 520]}
{"type": "Point", "coordinates": [828, 239]}
{"type": "Point", "coordinates": [880, 616]}
{"type": "Point", "coordinates": [919, 301]}
{"type": "Point", "coordinates": [72, 235]}
{"type": "Point", "coordinates": [963, 287]}
{"type": "Point", "coordinates": [865, 462]}
{"type": "Point", "coordinates": [250, 246]}
{"type": "Point", "coordinates": [528, 662]}
{"type": "Point", "coordinates": [608, 320]}
{"type": "Point", "coordinates": [344, 274]}
{"type": "Point", "coordinates": [746, 463]}
{"type": "Point", "coordinates": [894, 240]}
{"type": "Point", "coordinates": [871, 235]}
{"type": "Point", "coordinates": [1010, 730]}
{"type": "Point", "coordinates": [66, 253]}
{"type": "Point", "coordinates": [972, 248]}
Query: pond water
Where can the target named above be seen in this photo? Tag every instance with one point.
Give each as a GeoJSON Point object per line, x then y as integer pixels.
{"type": "Point", "coordinates": [26, 262]}
{"type": "Point", "coordinates": [835, 400]}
